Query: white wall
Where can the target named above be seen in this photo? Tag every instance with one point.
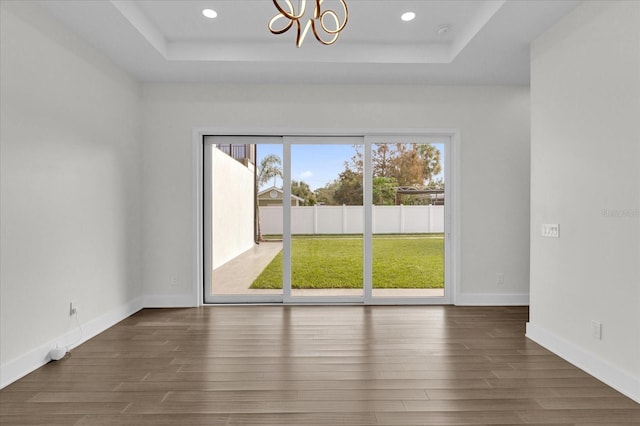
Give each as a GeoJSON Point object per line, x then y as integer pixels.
{"type": "Point", "coordinates": [70, 189]}
{"type": "Point", "coordinates": [232, 208]}
{"type": "Point", "coordinates": [494, 131]}
{"type": "Point", "coordinates": [585, 92]}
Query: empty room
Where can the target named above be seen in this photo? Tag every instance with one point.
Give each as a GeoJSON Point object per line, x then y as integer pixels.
{"type": "Point", "coordinates": [349, 212]}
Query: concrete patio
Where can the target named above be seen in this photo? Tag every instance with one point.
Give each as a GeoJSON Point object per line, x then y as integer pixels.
{"type": "Point", "coordinates": [237, 275]}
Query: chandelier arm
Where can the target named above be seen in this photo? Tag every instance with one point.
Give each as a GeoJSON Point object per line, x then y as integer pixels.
{"type": "Point", "coordinates": [335, 17]}
{"type": "Point", "coordinates": [316, 10]}
{"type": "Point", "coordinates": [317, 36]}
{"type": "Point", "coordinates": [300, 36]}
{"type": "Point", "coordinates": [280, 31]}
{"type": "Point", "coordinates": [291, 15]}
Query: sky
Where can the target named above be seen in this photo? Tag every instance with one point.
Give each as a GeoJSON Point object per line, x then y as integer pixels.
{"type": "Point", "coordinates": [317, 165]}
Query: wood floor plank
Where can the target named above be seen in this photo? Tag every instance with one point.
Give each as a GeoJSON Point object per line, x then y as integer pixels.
{"type": "Point", "coordinates": [539, 374]}
{"type": "Point", "coordinates": [304, 385]}
{"type": "Point", "coordinates": [205, 359]}
{"type": "Point", "coordinates": [152, 419]}
{"type": "Point", "coordinates": [605, 416]}
{"type": "Point", "coordinates": [231, 396]}
{"type": "Point", "coordinates": [363, 394]}
{"type": "Point", "coordinates": [587, 392]}
{"type": "Point", "coordinates": [40, 420]}
{"type": "Point", "coordinates": [302, 419]}
{"type": "Point", "coordinates": [363, 366]}
{"type": "Point", "coordinates": [293, 406]}
{"type": "Point", "coordinates": [478, 394]}
{"type": "Point", "coordinates": [54, 408]}
{"type": "Point", "coordinates": [315, 365]}
{"type": "Point", "coordinates": [83, 397]}
{"type": "Point", "coordinates": [459, 405]}
{"type": "Point", "coordinates": [17, 396]}
{"type": "Point", "coordinates": [436, 418]}
{"type": "Point", "coordinates": [589, 403]}
{"type": "Point", "coordinates": [44, 386]}
{"type": "Point", "coordinates": [563, 382]}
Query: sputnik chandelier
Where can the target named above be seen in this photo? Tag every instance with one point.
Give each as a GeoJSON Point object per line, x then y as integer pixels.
{"type": "Point", "coordinates": [328, 20]}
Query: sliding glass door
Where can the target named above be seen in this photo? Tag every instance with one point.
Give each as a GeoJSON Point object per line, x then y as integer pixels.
{"type": "Point", "coordinates": [327, 219]}
{"type": "Point", "coordinates": [409, 210]}
{"type": "Point", "coordinates": [243, 221]}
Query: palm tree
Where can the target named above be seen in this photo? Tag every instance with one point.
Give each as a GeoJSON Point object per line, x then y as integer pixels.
{"type": "Point", "coordinates": [269, 168]}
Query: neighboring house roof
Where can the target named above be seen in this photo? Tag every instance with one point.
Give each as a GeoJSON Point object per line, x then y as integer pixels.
{"type": "Point", "coordinates": [265, 193]}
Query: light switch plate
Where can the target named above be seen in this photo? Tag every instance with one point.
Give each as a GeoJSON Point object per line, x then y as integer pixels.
{"type": "Point", "coordinates": [551, 230]}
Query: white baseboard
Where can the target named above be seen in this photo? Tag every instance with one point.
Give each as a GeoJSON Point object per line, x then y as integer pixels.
{"type": "Point", "coordinates": [619, 379]}
{"type": "Point", "coordinates": [484, 299]}
{"type": "Point", "coordinates": [36, 358]}
{"type": "Point", "coordinates": [169, 301]}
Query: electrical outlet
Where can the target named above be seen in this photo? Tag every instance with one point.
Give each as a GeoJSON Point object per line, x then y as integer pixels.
{"type": "Point", "coordinates": [596, 330]}
{"type": "Point", "coordinates": [500, 278]}
{"type": "Point", "coordinates": [175, 282]}
{"type": "Point", "coordinates": [73, 309]}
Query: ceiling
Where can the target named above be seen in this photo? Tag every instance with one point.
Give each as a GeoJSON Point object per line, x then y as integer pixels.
{"type": "Point", "coordinates": [486, 42]}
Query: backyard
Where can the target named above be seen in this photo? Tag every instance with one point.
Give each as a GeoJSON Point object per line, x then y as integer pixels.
{"type": "Point", "coordinates": [335, 261]}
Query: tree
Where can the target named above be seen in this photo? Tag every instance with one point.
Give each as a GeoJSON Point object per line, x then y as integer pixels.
{"type": "Point", "coordinates": [384, 191]}
{"type": "Point", "coordinates": [324, 195]}
{"type": "Point", "coordinates": [431, 157]}
{"type": "Point", "coordinates": [349, 191]}
{"type": "Point", "coordinates": [357, 160]}
{"type": "Point", "coordinates": [269, 168]}
{"type": "Point", "coordinates": [393, 165]}
{"type": "Point", "coordinates": [382, 155]}
{"type": "Point", "coordinates": [407, 165]}
{"type": "Point", "coordinates": [436, 184]}
{"type": "Point", "coordinates": [302, 190]}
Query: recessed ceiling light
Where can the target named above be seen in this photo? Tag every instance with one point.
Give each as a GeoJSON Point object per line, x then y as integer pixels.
{"type": "Point", "coordinates": [209, 13]}
{"type": "Point", "coordinates": [408, 16]}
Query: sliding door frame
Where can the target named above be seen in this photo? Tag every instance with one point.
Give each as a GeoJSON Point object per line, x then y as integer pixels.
{"type": "Point", "coordinates": [449, 244]}
{"type": "Point", "coordinates": [209, 142]}
{"type": "Point", "coordinates": [452, 220]}
{"type": "Point", "coordinates": [286, 254]}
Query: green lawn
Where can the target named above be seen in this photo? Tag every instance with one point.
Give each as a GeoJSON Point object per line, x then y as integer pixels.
{"type": "Point", "coordinates": [335, 261]}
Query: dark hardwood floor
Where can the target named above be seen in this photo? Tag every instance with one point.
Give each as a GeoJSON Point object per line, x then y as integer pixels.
{"type": "Point", "coordinates": [320, 365]}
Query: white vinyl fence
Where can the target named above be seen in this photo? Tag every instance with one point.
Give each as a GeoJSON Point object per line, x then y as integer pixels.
{"type": "Point", "coordinates": [350, 219]}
